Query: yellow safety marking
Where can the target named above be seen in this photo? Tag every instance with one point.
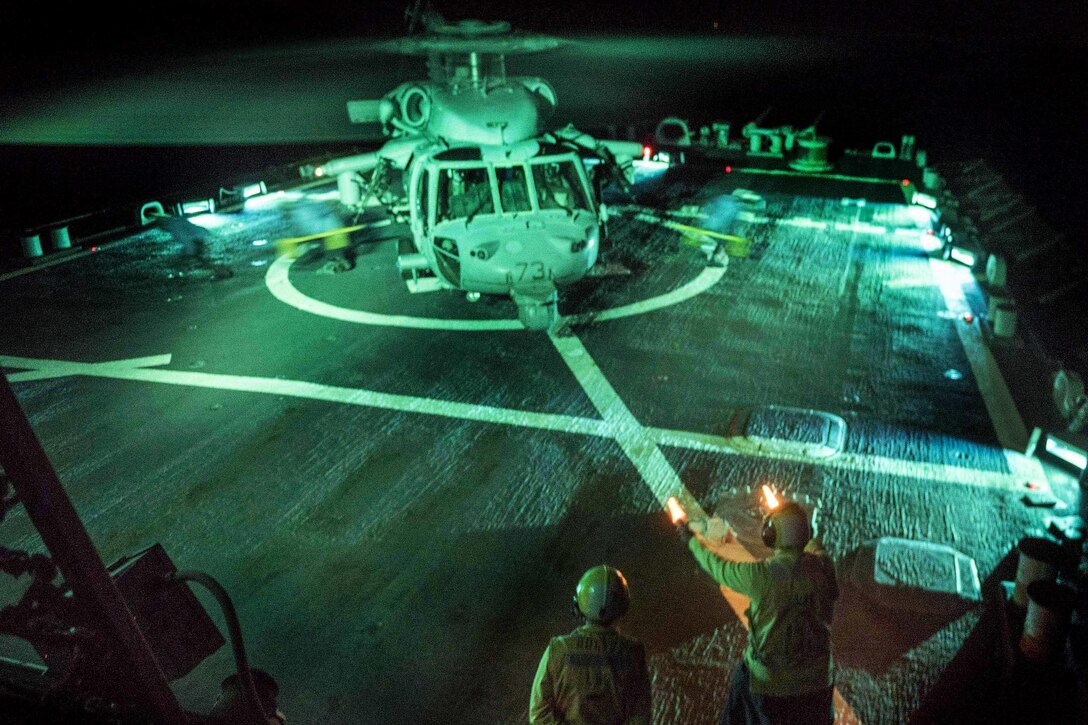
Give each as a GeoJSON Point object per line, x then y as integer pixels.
{"type": "Point", "coordinates": [334, 239]}
{"type": "Point", "coordinates": [735, 246]}
{"type": "Point", "coordinates": [320, 235]}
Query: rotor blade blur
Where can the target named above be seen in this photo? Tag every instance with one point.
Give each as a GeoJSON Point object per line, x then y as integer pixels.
{"type": "Point", "coordinates": [297, 93]}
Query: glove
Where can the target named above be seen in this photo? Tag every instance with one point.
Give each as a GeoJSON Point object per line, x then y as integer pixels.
{"type": "Point", "coordinates": [683, 533]}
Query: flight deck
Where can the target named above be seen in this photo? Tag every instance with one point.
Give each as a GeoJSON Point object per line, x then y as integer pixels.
{"type": "Point", "coordinates": [400, 490]}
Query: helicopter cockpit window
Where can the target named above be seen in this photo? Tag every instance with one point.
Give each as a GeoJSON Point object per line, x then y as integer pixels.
{"type": "Point", "coordinates": [464, 193]}
{"type": "Point", "coordinates": [513, 188]}
{"type": "Point", "coordinates": [422, 193]}
{"type": "Point", "coordinates": [558, 186]}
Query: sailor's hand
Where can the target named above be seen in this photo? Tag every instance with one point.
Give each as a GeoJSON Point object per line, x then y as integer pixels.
{"type": "Point", "coordinates": [683, 533]}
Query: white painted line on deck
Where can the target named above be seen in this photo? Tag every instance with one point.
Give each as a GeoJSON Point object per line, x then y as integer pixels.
{"type": "Point", "coordinates": [856, 462]}
{"type": "Point", "coordinates": [706, 279]}
{"type": "Point", "coordinates": [815, 175]}
{"type": "Point", "coordinates": [45, 369]}
{"type": "Point", "coordinates": [279, 284]}
{"type": "Point", "coordinates": [799, 221]}
{"type": "Point", "coordinates": [1011, 432]}
{"type": "Point", "coordinates": [860, 228]}
{"type": "Point", "coordinates": [640, 443]}
{"type": "Point", "coordinates": [636, 441]}
{"type": "Point", "coordinates": [125, 370]}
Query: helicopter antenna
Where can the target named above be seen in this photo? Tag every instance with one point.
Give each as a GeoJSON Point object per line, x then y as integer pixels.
{"type": "Point", "coordinates": [412, 16]}
{"type": "Point", "coordinates": [424, 16]}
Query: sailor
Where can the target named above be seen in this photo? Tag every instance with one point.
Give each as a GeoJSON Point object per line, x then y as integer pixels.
{"type": "Point", "coordinates": [594, 674]}
{"type": "Point", "coordinates": [193, 241]}
{"type": "Point", "coordinates": [785, 675]}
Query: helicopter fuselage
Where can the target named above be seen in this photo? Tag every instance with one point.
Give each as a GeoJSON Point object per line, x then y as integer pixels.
{"type": "Point", "coordinates": [518, 219]}
{"type": "Point", "coordinates": [496, 204]}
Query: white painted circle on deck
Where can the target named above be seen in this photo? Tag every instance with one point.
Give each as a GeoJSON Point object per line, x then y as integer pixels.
{"type": "Point", "coordinates": [278, 280]}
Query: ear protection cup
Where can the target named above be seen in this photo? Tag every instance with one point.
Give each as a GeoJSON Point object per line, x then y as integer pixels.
{"type": "Point", "coordinates": [767, 532]}
{"type": "Point", "coordinates": [794, 525]}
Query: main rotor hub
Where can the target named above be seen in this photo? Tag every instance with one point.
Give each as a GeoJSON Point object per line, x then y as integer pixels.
{"type": "Point", "coordinates": [472, 28]}
{"type": "Point", "coordinates": [471, 36]}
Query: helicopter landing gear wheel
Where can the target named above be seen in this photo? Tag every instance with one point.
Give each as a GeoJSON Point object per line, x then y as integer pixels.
{"type": "Point", "coordinates": [537, 309]}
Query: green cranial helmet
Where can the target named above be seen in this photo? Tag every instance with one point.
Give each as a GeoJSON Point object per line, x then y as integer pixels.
{"type": "Point", "coordinates": [602, 594]}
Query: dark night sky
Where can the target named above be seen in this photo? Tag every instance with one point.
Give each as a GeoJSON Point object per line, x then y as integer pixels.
{"type": "Point", "coordinates": [1027, 81]}
{"type": "Point", "coordinates": [125, 27]}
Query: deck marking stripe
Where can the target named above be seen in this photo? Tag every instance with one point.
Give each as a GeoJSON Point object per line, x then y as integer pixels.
{"type": "Point", "coordinates": [813, 175]}
{"type": "Point", "coordinates": [859, 462]}
{"type": "Point", "coordinates": [1011, 432]}
{"type": "Point", "coordinates": [636, 442]}
{"type": "Point", "coordinates": [706, 279]}
{"type": "Point", "coordinates": [314, 391]}
{"type": "Point", "coordinates": [135, 370]}
{"type": "Point", "coordinates": [278, 281]}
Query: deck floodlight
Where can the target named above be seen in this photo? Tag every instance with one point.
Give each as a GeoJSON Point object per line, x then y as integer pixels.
{"type": "Point", "coordinates": [963, 256]}
{"type": "Point", "coordinates": [201, 206]}
{"type": "Point", "coordinates": [254, 190]}
{"type": "Point", "coordinates": [1066, 450]}
{"type": "Point", "coordinates": [926, 200]}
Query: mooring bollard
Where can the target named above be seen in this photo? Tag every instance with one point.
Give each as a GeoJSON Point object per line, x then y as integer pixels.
{"type": "Point", "coordinates": [32, 246]}
{"type": "Point", "coordinates": [59, 238]}
{"type": "Point", "coordinates": [1004, 320]}
{"type": "Point", "coordinates": [1039, 560]}
{"type": "Point", "coordinates": [1046, 625]}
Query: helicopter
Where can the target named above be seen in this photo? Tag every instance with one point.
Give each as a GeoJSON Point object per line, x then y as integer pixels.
{"type": "Point", "coordinates": [496, 204]}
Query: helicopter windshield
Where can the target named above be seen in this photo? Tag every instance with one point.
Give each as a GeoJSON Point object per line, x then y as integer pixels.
{"type": "Point", "coordinates": [513, 188]}
{"type": "Point", "coordinates": [558, 186]}
{"type": "Point", "coordinates": [464, 193]}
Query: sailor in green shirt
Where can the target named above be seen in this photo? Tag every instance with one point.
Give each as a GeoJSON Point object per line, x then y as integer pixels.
{"type": "Point", "coordinates": [786, 674]}
{"type": "Point", "coordinates": [594, 675]}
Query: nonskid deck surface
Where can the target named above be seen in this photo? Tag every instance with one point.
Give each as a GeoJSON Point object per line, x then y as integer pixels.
{"type": "Point", "coordinates": [401, 509]}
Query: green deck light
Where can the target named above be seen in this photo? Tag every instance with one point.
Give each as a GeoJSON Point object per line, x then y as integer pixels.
{"type": "Point", "coordinates": [254, 190]}
{"type": "Point", "coordinates": [1067, 452]}
{"type": "Point", "coordinates": [964, 256]}
{"type": "Point", "coordinates": [926, 200]}
{"type": "Point", "coordinates": [203, 206]}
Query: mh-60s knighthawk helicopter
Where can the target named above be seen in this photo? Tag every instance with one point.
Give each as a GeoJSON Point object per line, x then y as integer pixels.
{"type": "Point", "coordinates": [496, 204]}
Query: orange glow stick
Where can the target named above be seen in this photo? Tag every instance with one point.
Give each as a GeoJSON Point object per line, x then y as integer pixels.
{"type": "Point", "coordinates": [675, 511]}
{"type": "Point", "coordinates": [768, 495]}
